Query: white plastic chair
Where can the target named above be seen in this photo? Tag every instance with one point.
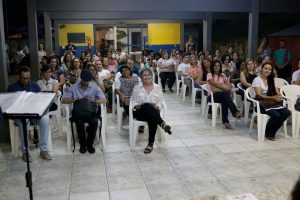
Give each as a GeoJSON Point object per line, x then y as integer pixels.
{"type": "Point", "coordinates": [135, 124]}
{"type": "Point", "coordinates": [291, 93]}
{"type": "Point", "coordinates": [120, 111]}
{"type": "Point", "coordinates": [247, 104]}
{"type": "Point", "coordinates": [262, 119]}
{"type": "Point", "coordinates": [178, 83]}
{"type": "Point", "coordinates": [194, 92]}
{"type": "Point", "coordinates": [204, 97]}
{"type": "Point", "coordinates": [57, 115]}
{"type": "Point", "coordinates": [15, 138]}
{"type": "Point", "coordinates": [279, 82]}
{"type": "Point", "coordinates": [113, 100]}
{"type": "Point", "coordinates": [68, 108]}
{"type": "Point", "coordinates": [214, 106]}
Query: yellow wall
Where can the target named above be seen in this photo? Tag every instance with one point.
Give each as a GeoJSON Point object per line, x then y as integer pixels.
{"type": "Point", "coordinates": [163, 33]}
{"type": "Point", "coordinates": [64, 29]}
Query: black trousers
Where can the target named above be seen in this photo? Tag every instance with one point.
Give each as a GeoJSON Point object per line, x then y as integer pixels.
{"type": "Point", "coordinates": [278, 116]}
{"type": "Point", "coordinates": [91, 132]}
{"type": "Point", "coordinates": [225, 100]}
{"type": "Point", "coordinates": [148, 113]}
{"type": "Point", "coordinates": [285, 72]}
{"type": "Point", "coordinates": [167, 75]}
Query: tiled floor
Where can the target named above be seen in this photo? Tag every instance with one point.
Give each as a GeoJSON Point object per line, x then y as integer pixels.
{"type": "Point", "coordinates": [196, 161]}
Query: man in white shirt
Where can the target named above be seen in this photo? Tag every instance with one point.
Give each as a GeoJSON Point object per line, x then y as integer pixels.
{"type": "Point", "coordinates": [296, 75]}
{"type": "Point", "coordinates": [103, 73]}
{"type": "Point", "coordinates": [184, 65]}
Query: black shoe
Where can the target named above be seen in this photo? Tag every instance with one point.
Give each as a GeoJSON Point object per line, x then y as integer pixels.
{"type": "Point", "coordinates": [171, 90]}
{"type": "Point", "coordinates": [164, 90]}
{"type": "Point", "coordinates": [91, 149]}
{"type": "Point", "coordinates": [82, 149]}
{"type": "Point", "coordinates": [166, 128]}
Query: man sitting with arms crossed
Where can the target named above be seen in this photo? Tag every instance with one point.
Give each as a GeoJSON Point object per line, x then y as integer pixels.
{"type": "Point", "coordinates": [24, 84]}
{"type": "Point", "coordinates": [84, 89]}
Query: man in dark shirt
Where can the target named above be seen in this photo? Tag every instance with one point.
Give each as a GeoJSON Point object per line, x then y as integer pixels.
{"type": "Point", "coordinates": [24, 84]}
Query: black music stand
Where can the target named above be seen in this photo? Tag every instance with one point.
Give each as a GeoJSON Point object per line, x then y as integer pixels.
{"type": "Point", "coordinates": [15, 106]}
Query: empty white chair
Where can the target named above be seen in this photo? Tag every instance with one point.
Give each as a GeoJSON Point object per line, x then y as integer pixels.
{"type": "Point", "coordinates": [194, 91]}
{"type": "Point", "coordinates": [68, 108]}
{"type": "Point", "coordinates": [262, 119]}
{"type": "Point", "coordinates": [135, 124]}
{"type": "Point", "coordinates": [291, 93]}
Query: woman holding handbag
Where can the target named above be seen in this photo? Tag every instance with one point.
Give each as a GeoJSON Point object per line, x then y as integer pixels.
{"type": "Point", "coordinates": [270, 100]}
{"type": "Point", "coordinates": [221, 88]}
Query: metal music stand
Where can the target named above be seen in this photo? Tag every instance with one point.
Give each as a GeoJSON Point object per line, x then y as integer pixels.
{"type": "Point", "coordinates": [14, 105]}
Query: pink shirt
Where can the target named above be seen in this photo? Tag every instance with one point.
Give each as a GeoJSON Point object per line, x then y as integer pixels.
{"type": "Point", "coordinates": [194, 72]}
{"type": "Point", "coordinates": [218, 79]}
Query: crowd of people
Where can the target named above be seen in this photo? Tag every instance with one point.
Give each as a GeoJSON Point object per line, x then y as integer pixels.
{"type": "Point", "coordinates": [92, 76]}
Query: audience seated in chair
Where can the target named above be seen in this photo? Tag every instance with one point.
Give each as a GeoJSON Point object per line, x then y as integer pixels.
{"type": "Point", "coordinates": [147, 98]}
{"type": "Point", "coordinates": [166, 71]}
{"type": "Point", "coordinates": [265, 89]}
{"type": "Point", "coordinates": [24, 84]}
{"type": "Point", "coordinates": [221, 89]}
{"type": "Point", "coordinates": [84, 89]}
{"type": "Point", "coordinates": [296, 76]}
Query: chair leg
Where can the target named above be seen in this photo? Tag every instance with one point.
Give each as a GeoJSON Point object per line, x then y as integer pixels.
{"type": "Point", "coordinates": [119, 119]}
{"type": "Point", "coordinates": [50, 140]}
{"type": "Point", "coordinates": [193, 97]}
{"type": "Point", "coordinates": [251, 124]}
{"type": "Point", "coordinates": [214, 116]}
{"type": "Point", "coordinates": [133, 136]}
{"type": "Point", "coordinates": [297, 125]}
{"type": "Point", "coordinates": [183, 92]}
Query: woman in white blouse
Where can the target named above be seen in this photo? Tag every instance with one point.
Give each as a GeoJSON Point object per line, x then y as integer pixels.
{"type": "Point", "coordinates": [265, 89]}
{"type": "Point", "coordinates": [47, 84]}
{"type": "Point", "coordinates": [166, 71]}
{"type": "Point", "coordinates": [147, 99]}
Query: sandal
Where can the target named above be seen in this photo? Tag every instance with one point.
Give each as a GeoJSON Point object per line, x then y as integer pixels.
{"type": "Point", "coordinates": [271, 138]}
{"type": "Point", "coordinates": [166, 128]}
{"type": "Point", "coordinates": [227, 126]}
{"type": "Point", "coordinates": [238, 115]}
{"type": "Point", "coordinates": [148, 149]}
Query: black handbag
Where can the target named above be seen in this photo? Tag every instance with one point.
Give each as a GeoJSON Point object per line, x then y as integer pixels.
{"type": "Point", "coordinates": [297, 105]}
{"type": "Point", "coordinates": [84, 110]}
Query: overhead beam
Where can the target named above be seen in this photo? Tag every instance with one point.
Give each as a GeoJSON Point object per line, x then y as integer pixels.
{"type": "Point", "coordinates": [144, 5]}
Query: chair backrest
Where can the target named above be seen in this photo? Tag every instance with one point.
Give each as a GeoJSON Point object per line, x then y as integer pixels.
{"type": "Point", "coordinates": [250, 93]}
{"type": "Point", "coordinates": [279, 82]}
{"type": "Point", "coordinates": [290, 91]}
{"type": "Point", "coordinates": [239, 85]}
{"type": "Point", "coordinates": [208, 93]}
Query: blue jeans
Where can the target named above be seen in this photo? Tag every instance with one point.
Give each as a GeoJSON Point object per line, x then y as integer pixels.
{"type": "Point", "coordinates": [44, 132]}
{"type": "Point", "coordinates": [278, 116]}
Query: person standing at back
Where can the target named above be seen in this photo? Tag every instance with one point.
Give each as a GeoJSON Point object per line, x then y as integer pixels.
{"type": "Point", "coordinates": [282, 59]}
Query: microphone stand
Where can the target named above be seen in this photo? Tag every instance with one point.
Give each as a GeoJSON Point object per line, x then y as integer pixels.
{"type": "Point", "coordinates": [28, 175]}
